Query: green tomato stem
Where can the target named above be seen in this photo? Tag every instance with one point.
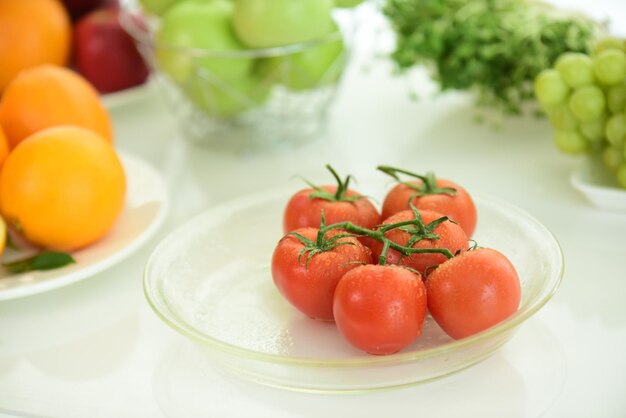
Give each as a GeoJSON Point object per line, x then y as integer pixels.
{"type": "Point", "coordinates": [379, 235]}
{"type": "Point", "coordinates": [342, 186]}
{"type": "Point", "coordinates": [418, 232]}
{"type": "Point", "coordinates": [393, 172]}
{"type": "Point", "coordinates": [340, 193]}
{"type": "Point", "coordinates": [427, 187]}
{"type": "Point", "coordinates": [382, 258]}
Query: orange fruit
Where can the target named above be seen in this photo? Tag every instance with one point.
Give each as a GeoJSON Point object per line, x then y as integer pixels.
{"type": "Point", "coordinates": [62, 188]}
{"type": "Point", "coordinates": [3, 235]}
{"type": "Point", "coordinates": [32, 32]}
{"type": "Point", "coordinates": [46, 96]}
{"type": "Point", "coordinates": [4, 147]}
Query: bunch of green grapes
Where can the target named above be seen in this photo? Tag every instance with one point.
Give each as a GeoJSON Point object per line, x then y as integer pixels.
{"type": "Point", "coordinates": [585, 99]}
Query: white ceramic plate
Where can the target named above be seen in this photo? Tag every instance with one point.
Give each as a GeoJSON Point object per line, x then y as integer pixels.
{"type": "Point", "coordinates": [599, 186]}
{"type": "Point", "coordinates": [146, 206]}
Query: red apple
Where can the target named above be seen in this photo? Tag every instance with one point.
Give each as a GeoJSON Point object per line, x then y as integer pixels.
{"type": "Point", "coordinates": [105, 54]}
{"type": "Point", "coordinates": [79, 8]}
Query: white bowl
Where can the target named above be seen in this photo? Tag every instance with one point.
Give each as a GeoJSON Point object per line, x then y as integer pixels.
{"type": "Point", "coordinates": [598, 185]}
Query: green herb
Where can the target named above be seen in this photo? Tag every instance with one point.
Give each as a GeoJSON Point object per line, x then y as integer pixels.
{"type": "Point", "coordinates": [45, 260]}
{"type": "Point", "coordinates": [492, 47]}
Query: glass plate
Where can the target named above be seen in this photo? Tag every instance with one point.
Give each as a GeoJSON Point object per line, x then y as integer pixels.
{"type": "Point", "coordinates": [210, 281]}
{"type": "Point", "coordinates": [146, 207]}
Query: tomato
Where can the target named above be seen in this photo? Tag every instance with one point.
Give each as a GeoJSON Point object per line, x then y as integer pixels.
{"type": "Point", "coordinates": [380, 309]}
{"type": "Point", "coordinates": [303, 210]}
{"type": "Point", "coordinates": [447, 235]}
{"type": "Point", "coordinates": [439, 195]}
{"type": "Point", "coordinates": [472, 292]}
{"type": "Point", "coordinates": [338, 203]}
{"type": "Point", "coordinates": [308, 279]}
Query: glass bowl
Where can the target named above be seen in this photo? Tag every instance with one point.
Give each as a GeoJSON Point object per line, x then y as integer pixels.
{"type": "Point", "coordinates": [279, 96]}
{"type": "Point", "coordinates": [210, 280]}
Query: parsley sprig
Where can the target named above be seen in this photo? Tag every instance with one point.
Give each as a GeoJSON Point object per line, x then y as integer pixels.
{"type": "Point", "coordinates": [492, 47]}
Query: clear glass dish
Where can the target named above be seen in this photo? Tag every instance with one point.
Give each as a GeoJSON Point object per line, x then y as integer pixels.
{"type": "Point", "coordinates": [210, 281]}
{"type": "Point", "coordinates": [281, 99]}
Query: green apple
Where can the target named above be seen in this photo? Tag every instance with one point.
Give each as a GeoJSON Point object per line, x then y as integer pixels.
{"type": "Point", "coordinates": [227, 99]}
{"type": "Point", "coordinates": [319, 65]}
{"type": "Point", "coordinates": [269, 23]}
{"type": "Point", "coordinates": [202, 25]}
{"type": "Point", "coordinates": [157, 6]}
{"type": "Point", "coordinates": [347, 3]}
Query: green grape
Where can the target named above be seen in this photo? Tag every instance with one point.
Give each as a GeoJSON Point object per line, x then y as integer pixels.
{"type": "Point", "coordinates": [561, 117]}
{"type": "Point", "coordinates": [576, 68]}
{"type": "Point", "coordinates": [621, 175]}
{"type": "Point", "coordinates": [571, 142]}
{"type": "Point", "coordinates": [587, 103]}
{"type": "Point", "coordinates": [615, 130]}
{"type": "Point", "coordinates": [550, 88]}
{"type": "Point", "coordinates": [347, 3]}
{"type": "Point", "coordinates": [596, 147]}
{"type": "Point", "coordinates": [593, 131]}
{"type": "Point", "coordinates": [609, 43]}
{"type": "Point", "coordinates": [609, 66]}
{"type": "Point", "coordinates": [612, 158]}
{"type": "Point", "coordinates": [616, 98]}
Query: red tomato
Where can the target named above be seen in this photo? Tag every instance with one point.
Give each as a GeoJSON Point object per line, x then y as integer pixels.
{"type": "Point", "coordinates": [451, 236]}
{"type": "Point", "coordinates": [309, 285]}
{"type": "Point", "coordinates": [472, 292]}
{"type": "Point", "coordinates": [380, 309]}
{"type": "Point", "coordinates": [458, 207]}
{"type": "Point", "coordinates": [305, 211]}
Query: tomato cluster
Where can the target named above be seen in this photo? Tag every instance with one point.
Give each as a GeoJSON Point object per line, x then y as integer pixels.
{"type": "Point", "coordinates": [325, 268]}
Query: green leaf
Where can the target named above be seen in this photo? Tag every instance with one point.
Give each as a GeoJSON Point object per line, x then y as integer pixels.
{"type": "Point", "coordinates": [45, 260]}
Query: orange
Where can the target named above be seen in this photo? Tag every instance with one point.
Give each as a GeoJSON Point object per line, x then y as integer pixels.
{"type": "Point", "coordinates": [4, 147]}
{"type": "Point", "coordinates": [3, 235]}
{"type": "Point", "coordinates": [46, 96]}
{"type": "Point", "coordinates": [32, 32]}
{"type": "Point", "coordinates": [62, 188]}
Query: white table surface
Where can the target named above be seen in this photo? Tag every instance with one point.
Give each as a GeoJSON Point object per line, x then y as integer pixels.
{"type": "Point", "coordinates": [95, 348]}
